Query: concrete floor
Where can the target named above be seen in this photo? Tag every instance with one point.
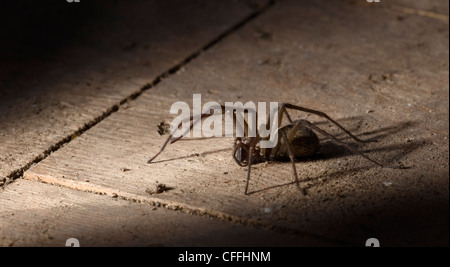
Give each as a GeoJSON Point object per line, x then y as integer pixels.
{"type": "Point", "coordinates": [84, 86]}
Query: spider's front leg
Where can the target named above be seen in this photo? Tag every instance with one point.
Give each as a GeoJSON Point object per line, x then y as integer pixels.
{"type": "Point", "coordinates": [291, 156]}
{"type": "Point", "coordinates": [251, 150]}
{"type": "Point", "coordinates": [171, 141]}
{"type": "Point", "coordinates": [239, 151]}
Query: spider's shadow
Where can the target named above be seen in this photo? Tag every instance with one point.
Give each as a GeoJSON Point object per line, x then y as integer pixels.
{"type": "Point", "coordinates": [331, 150]}
{"type": "Point", "coordinates": [194, 155]}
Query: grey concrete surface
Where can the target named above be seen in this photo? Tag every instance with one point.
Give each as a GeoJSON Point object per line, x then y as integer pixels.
{"type": "Point", "coordinates": [380, 71]}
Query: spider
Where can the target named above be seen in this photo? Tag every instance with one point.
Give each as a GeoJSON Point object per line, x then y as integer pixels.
{"type": "Point", "coordinates": [297, 139]}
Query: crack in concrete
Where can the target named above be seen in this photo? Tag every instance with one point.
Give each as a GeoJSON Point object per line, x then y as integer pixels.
{"type": "Point", "coordinates": [19, 172]}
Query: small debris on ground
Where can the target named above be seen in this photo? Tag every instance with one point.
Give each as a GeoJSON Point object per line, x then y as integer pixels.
{"type": "Point", "coordinates": [158, 189]}
{"type": "Point", "coordinates": [163, 128]}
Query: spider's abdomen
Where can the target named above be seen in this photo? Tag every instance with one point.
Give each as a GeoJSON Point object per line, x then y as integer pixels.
{"type": "Point", "coordinates": [304, 144]}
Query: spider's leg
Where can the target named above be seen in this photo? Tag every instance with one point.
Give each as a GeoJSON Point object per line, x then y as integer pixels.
{"type": "Point", "coordinates": [161, 150]}
{"type": "Point", "coordinates": [321, 114]}
{"type": "Point", "coordinates": [253, 143]}
{"type": "Point", "coordinates": [249, 166]}
{"type": "Point", "coordinates": [169, 138]}
{"type": "Point", "coordinates": [315, 127]}
{"type": "Point", "coordinates": [237, 146]}
{"type": "Point", "coordinates": [290, 136]}
{"type": "Point", "coordinates": [291, 156]}
{"type": "Point", "coordinates": [191, 118]}
{"type": "Point", "coordinates": [235, 149]}
{"type": "Point", "coordinates": [233, 114]}
{"type": "Point", "coordinates": [282, 110]}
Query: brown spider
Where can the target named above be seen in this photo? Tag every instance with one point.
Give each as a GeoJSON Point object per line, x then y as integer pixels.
{"type": "Point", "coordinates": [298, 139]}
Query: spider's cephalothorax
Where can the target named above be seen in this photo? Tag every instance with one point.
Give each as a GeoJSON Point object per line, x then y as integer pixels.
{"type": "Point", "coordinates": [296, 139]}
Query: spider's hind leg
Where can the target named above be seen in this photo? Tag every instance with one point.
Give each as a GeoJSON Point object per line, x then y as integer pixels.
{"type": "Point", "coordinates": [284, 106]}
{"type": "Point", "coordinates": [291, 156]}
{"type": "Point", "coordinates": [316, 128]}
